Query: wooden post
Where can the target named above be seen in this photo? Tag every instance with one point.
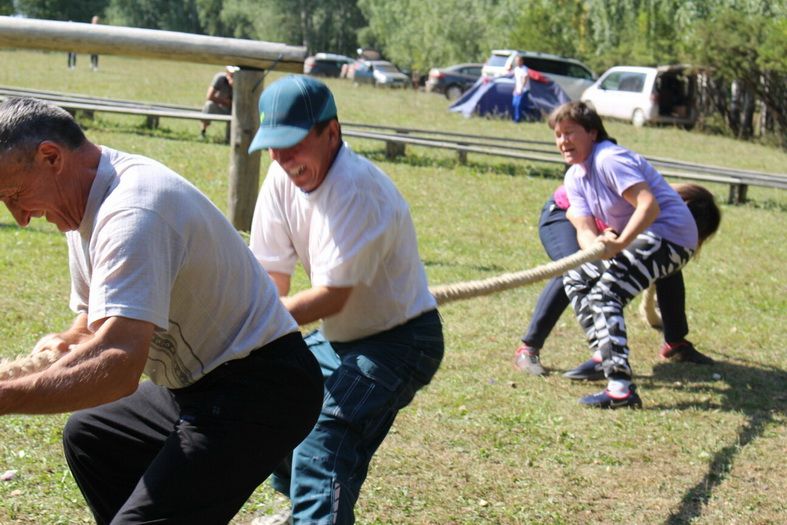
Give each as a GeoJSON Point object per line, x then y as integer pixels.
{"type": "Point", "coordinates": [393, 149]}
{"type": "Point", "coordinates": [461, 154]}
{"type": "Point", "coordinates": [244, 168]}
{"type": "Point", "coordinates": [737, 193]}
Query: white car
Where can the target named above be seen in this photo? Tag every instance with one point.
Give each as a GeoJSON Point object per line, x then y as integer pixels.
{"type": "Point", "coordinates": [571, 75]}
{"type": "Point", "coordinates": [646, 94]}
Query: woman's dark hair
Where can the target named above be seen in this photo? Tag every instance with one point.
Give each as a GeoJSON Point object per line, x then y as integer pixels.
{"type": "Point", "coordinates": [703, 208]}
{"type": "Point", "coordinates": [583, 114]}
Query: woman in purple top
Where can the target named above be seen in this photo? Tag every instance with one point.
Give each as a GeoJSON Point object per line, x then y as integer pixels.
{"type": "Point", "coordinates": [650, 234]}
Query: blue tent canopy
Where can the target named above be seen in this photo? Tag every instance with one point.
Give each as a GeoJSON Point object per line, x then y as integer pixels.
{"type": "Point", "coordinates": [493, 97]}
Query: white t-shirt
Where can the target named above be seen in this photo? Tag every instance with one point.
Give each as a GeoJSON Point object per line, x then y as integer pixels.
{"type": "Point", "coordinates": [354, 230]}
{"type": "Point", "coordinates": [520, 79]}
{"type": "Point", "coordinates": [151, 247]}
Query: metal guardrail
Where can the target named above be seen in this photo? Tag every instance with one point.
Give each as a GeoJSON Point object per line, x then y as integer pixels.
{"type": "Point", "coordinates": [739, 180]}
{"type": "Point", "coordinates": [106, 105]}
{"type": "Point", "coordinates": [396, 139]}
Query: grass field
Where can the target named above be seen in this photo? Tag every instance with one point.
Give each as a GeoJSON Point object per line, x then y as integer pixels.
{"type": "Point", "coordinates": [482, 444]}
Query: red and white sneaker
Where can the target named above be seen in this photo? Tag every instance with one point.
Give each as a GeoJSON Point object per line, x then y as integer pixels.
{"type": "Point", "coordinates": [528, 360]}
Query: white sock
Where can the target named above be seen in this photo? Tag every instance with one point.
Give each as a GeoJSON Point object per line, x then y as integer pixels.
{"type": "Point", "coordinates": [596, 356]}
{"type": "Point", "coordinates": [618, 387]}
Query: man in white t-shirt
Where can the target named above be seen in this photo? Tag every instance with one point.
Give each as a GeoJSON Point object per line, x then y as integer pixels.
{"type": "Point", "coordinates": [162, 284]}
{"type": "Point", "coordinates": [521, 86]}
{"type": "Point", "coordinates": [381, 336]}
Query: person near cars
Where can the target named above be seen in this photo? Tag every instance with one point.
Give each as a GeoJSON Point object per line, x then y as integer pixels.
{"type": "Point", "coordinates": [161, 283]}
{"type": "Point", "coordinates": [381, 336]}
{"type": "Point", "coordinates": [649, 234]}
{"type": "Point", "coordinates": [93, 56]}
{"type": "Point", "coordinates": [559, 238]}
{"type": "Point", "coordinates": [520, 98]}
{"type": "Point", "coordinates": [218, 100]}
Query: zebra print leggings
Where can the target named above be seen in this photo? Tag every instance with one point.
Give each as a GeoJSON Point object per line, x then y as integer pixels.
{"type": "Point", "coordinates": [599, 291]}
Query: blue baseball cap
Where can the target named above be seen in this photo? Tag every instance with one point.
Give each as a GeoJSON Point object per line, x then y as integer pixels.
{"type": "Point", "coordinates": [289, 108]}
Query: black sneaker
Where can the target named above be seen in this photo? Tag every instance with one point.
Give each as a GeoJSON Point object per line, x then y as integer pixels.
{"type": "Point", "coordinates": [527, 359]}
{"type": "Point", "coordinates": [604, 399]}
{"type": "Point", "coordinates": [590, 370]}
{"type": "Point", "coordinates": [684, 352]}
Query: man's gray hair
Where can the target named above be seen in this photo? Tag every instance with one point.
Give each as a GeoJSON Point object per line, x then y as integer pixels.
{"type": "Point", "coordinates": [26, 122]}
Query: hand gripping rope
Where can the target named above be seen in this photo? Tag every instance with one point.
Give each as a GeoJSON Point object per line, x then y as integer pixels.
{"type": "Point", "coordinates": [443, 294]}
{"type": "Point", "coordinates": [28, 364]}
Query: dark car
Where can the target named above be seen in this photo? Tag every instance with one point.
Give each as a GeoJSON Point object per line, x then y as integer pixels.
{"type": "Point", "coordinates": [325, 64]}
{"type": "Point", "coordinates": [452, 81]}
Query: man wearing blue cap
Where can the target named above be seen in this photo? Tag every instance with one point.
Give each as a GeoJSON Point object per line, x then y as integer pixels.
{"type": "Point", "coordinates": [381, 337]}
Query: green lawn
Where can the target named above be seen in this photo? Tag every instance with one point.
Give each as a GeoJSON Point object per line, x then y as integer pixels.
{"type": "Point", "coordinates": [482, 444]}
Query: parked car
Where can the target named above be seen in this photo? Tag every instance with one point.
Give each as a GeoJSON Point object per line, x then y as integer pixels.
{"type": "Point", "coordinates": [571, 75]}
{"type": "Point", "coordinates": [377, 73]}
{"type": "Point", "coordinates": [325, 64]}
{"type": "Point", "coordinates": [454, 80]}
{"type": "Point", "coordinates": [646, 94]}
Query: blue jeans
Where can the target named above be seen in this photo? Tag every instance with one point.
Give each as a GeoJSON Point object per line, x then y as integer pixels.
{"type": "Point", "coordinates": [521, 106]}
{"type": "Point", "coordinates": [367, 382]}
{"type": "Point", "coordinates": [559, 239]}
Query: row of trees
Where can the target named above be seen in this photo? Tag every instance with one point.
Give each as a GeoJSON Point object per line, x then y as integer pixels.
{"type": "Point", "coordinates": [742, 44]}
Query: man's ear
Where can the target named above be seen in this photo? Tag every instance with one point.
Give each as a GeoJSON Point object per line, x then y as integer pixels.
{"type": "Point", "coordinates": [50, 154]}
{"type": "Point", "coordinates": [335, 129]}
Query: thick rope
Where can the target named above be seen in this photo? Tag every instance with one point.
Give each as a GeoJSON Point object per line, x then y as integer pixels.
{"type": "Point", "coordinates": [647, 308]}
{"type": "Point", "coordinates": [453, 292]}
{"type": "Point", "coordinates": [444, 294]}
{"type": "Point", "coordinates": [30, 364]}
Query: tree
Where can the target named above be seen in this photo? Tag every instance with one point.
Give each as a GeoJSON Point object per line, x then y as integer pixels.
{"type": "Point", "coordinates": [172, 15]}
{"type": "Point", "coordinates": [553, 26]}
{"type": "Point", "coordinates": [81, 11]}
{"type": "Point", "coordinates": [420, 34]}
{"type": "Point", "coordinates": [747, 65]}
{"type": "Point", "coordinates": [7, 7]}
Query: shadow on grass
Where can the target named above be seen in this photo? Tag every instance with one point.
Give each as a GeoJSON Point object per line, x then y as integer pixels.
{"type": "Point", "coordinates": [142, 130]}
{"type": "Point", "coordinates": [768, 204]}
{"type": "Point", "coordinates": [752, 389]}
{"type": "Point", "coordinates": [447, 264]}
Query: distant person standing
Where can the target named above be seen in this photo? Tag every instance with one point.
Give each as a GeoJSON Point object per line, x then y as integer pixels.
{"type": "Point", "coordinates": [521, 87]}
{"type": "Point", "coordinates": [219, 97]}
{"type": "Point", "coordinates": [72, 59]}
{"type": "Point", "coordinates": [93, 58]}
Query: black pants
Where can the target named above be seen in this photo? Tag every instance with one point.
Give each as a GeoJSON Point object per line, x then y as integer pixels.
{"type": "Point", "coordinates": [559, 239]}
{"type": "Point", "coordinates": [195, 455]}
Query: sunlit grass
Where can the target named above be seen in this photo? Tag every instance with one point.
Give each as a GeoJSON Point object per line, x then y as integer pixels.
{"type": "Point", "coordinates": [482, 444]}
